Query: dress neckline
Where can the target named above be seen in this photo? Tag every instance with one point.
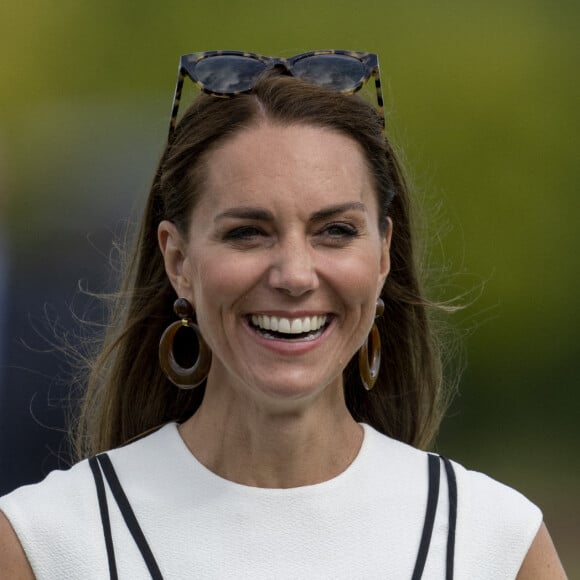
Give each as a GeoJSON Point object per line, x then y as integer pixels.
{"type": "Point", "coordinates": [198, 470]}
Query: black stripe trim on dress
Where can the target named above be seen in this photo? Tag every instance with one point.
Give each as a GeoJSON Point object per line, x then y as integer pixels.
{"type": "Point", "coordinates": [129, 516]}
{"type": "Point", "coordinates": [434, 470]}
{"type": "Point", "coordinates": [452, 487]}
{"type": "Point", "coordinates": [104, 509]}
{"type": "Point", "coordinates": [432, 500]}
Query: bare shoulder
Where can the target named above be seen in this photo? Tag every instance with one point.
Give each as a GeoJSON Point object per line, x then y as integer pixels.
{"type": "Point", "coordinates": [542, 561]}
{"type": "Point", "coordinates": [13, 561]}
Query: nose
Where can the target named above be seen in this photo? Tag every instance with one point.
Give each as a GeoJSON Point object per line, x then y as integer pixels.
{"type": "Point", "coordinates": [293, 268]}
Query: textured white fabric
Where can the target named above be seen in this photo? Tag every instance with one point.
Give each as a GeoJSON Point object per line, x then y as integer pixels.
{"type": "Point", "coordinates": [365, 523]}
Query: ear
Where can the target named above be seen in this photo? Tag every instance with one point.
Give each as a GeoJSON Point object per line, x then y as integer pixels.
{"type": "Point", "coordinates": [173, 248]}
{"type": "Point", "coordinates": [385, 263]}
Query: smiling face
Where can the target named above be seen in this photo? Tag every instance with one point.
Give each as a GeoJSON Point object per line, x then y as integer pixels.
{"type": "Point", "coordinates": [284, 260]}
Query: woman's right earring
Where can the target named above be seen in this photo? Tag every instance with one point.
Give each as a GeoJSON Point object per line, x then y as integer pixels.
{"type": "Point", "coordinates": [370, 373]}
{"type": "Point", "coordinates": [184, 378]}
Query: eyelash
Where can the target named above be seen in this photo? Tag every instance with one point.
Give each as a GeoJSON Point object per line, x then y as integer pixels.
{"type": "Point", "coordinates": [243, 233]}
{"type": "Point", "coordinates": [337, 232]}
{"type": "Point", "coordinates": [344, 230]}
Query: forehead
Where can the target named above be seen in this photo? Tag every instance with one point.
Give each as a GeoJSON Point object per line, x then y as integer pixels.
{"type": "Point", "coordinates": [303, 163]}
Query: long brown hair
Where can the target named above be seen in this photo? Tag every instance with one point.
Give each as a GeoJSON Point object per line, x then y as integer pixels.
{"type": "Point", "coordinates": [127, 394]}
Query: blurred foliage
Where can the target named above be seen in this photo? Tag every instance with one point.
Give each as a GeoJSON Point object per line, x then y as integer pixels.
{"type": "Point", "coordinates": [482, 98]}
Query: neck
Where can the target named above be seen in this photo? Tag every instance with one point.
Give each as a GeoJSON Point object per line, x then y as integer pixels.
{"type": "Point", "coordinates": [253, 445]}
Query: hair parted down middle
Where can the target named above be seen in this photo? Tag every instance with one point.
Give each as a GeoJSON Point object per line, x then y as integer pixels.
{"type": "Point", "coordinates": [127, 394]}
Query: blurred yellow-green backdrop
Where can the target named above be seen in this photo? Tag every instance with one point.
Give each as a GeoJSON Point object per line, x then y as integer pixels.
{"type": "Point", "coordinates": [482, 98]}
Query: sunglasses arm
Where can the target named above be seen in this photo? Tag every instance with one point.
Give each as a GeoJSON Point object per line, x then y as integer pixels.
{"type": "Point", "coordinates": [380, 104]}
{"type": "Point", "coordinates": [176, 100]}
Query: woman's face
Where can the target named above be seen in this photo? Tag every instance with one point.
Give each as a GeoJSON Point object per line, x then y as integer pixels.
{"type": "Point", "coordinates": [284, 260]}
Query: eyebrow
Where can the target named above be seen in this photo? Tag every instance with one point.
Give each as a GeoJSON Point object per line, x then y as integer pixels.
{"type": "Point", "coordinates": [331, 211]}
{"type": "Point", "coordinates": [259, 214]}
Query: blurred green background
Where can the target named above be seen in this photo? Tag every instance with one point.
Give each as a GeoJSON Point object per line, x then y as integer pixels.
{"type": "Point", "coordinates": [482, 98]}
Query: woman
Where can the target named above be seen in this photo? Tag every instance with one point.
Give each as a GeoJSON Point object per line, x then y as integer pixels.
{"type": "Point", "coordinates": [279, 219]}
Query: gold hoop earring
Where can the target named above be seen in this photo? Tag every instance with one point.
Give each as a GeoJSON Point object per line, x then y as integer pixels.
{"type": "Point", "coordinates": [184, 378]}
{"type": "Point", "coordinates": [370, 373]}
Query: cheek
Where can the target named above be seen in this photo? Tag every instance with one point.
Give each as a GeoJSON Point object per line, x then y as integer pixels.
{"type": "Point", "coordinates": [218, 283]}
{"type": "Point", "coordinates": [358, 276]}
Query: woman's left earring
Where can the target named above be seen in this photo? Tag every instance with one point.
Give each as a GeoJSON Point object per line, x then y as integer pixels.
{"type": "Point", "coordinates": [183, 377]}
{"type": "Point", "coordinates": [369, 373]}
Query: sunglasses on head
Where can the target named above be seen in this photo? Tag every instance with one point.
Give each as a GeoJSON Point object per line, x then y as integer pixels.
{"type": "Point", "coordinates": [223, 73]}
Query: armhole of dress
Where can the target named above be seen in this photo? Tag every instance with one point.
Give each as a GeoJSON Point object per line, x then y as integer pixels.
{"type": "Point", "coordinates": [103, 462]}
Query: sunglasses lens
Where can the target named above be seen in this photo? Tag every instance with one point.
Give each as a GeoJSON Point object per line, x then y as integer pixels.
{"type": "Point", "coordinates": [336, 71]}
{"type": "Point", "coordinates": [228, 74]}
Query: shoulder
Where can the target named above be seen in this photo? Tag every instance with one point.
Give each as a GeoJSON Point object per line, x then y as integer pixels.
{"type": "Point", "coordinates": [481, 499]}
{"type": "Point", "coordinates": [53, 520]}
{"type": "Point", "coordinates": [70, 493]}
{"type": "Point", "coordinates": [500, 532]}
{"type": "Point", "coordinates": [488, 504]}
{"type": "Point", "coordinates": [496, 524]}
{"type": "Point", "coordinates": [62, 491]}
{"type": "Point", "coordinates": [57, 520]}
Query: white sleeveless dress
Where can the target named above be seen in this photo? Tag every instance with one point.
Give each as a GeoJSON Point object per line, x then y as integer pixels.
{"type": "Point", "coordinates": [365, 523]}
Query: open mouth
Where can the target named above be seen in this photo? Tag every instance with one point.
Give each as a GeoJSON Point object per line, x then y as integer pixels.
{"type": "Point", "coordinates": [292, 329]}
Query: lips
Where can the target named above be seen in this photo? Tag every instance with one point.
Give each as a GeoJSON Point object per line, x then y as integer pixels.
{"type": "Point", "coordinates": [283, 328]}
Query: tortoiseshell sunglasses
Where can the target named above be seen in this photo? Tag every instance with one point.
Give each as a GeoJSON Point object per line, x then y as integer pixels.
{"type": "Point", "coordinates": [223, 73]}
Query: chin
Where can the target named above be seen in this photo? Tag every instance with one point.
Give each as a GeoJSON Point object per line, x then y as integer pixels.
{"type": "Point", "coordinates": [294, 390]}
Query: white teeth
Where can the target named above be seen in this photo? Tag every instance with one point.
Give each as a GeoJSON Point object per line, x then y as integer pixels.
{"type": "Point", "coordinates": [284, 326]}
{"type": "Point", "coordinates": [289, 326]}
